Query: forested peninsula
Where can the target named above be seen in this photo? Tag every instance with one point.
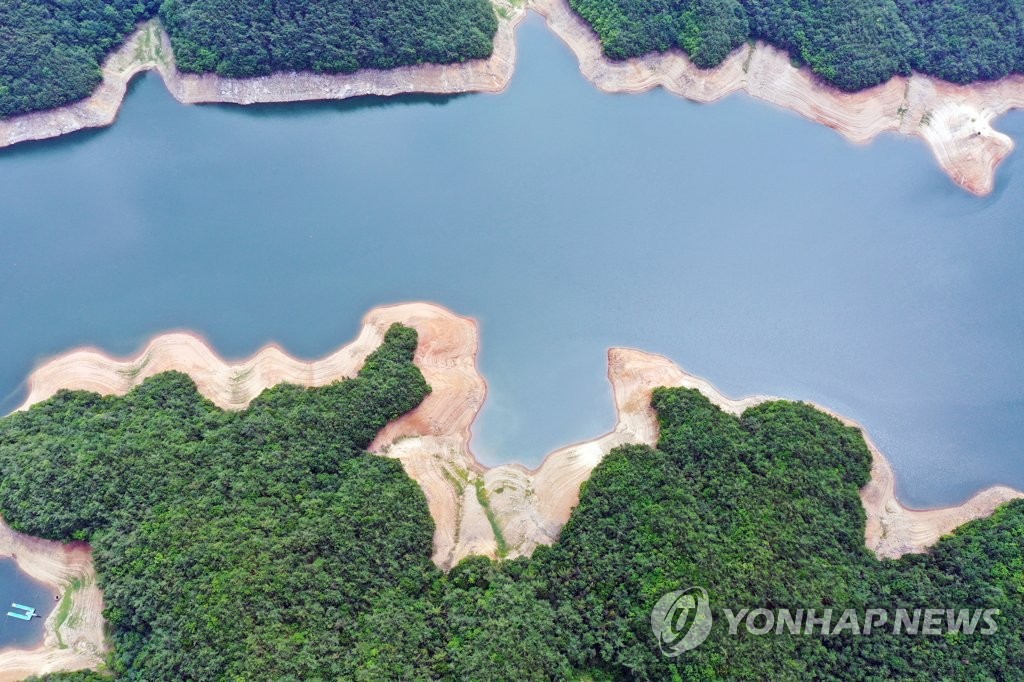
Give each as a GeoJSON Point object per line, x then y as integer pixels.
{"type": "Point", "coordinates": [248, 52]}
{"type": "Point", "coordinates": [50, 53]}
{"type": "Point", "coordinates": [266, 543]}
{"type": "Point", "coordinates": [851, 44]}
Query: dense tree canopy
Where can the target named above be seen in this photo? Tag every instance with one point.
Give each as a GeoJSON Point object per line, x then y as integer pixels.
{"type": "Point", "coordinates": [252, 38]}
{"type": "Point", "coordinates": [852, 44]}
{"type": "Point", "coordinates": [764, 511]}
{"type": "Point", "coordinates": [50, 51]}
{"type": "Point", "coordinates": [263, 545]}
{"type": "Point", "coordinates": [230, 545]}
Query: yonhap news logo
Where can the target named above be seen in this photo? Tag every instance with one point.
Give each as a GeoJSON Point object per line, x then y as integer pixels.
{"type": "Point", "coordinates": [682, 620]}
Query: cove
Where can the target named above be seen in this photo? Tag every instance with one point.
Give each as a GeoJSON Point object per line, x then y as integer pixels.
{"type": "Point", "coordinates": [754, 248]}
{"type": "Point", "coordinates": [16, 587]}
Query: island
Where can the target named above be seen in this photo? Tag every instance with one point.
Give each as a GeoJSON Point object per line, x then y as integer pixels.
{"type": "Point", "coordinates": [298, 520]}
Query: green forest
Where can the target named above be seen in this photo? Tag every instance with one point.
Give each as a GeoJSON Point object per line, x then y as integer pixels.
{"type": "Point", "coordinates": [50, 52]}
{"type": "Point", "coordinates": [251, 38]}
{"type": "Point", "coordinates": [266, 544]}
{"type": "Point", "coordinates": [852, 44]}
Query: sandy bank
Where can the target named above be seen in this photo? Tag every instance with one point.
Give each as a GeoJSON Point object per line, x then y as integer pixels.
{"type": "Point", "coordinates": [446, 355]}
{"type": "Point", "coordinates": [467, 500]}
{"type": "Point", "coordinates": [149, 49]}
{"type": "Point", "coordinates": [79, 641]}
{"type": "Point", "coordinates": [955, 121]}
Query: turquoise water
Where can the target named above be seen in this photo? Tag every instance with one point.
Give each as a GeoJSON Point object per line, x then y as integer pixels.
{"type": "Point", "coordinates": [18, 588]}
{"type": "Point", "coordinates": [755, 248]}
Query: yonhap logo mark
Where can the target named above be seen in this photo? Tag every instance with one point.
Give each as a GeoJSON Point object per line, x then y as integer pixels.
{"type": "Point", "coordinates": [681, 620]}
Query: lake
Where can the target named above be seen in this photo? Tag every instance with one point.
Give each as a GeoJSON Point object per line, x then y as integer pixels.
{"type": "Point", "coordinates": [755, 248]}
{"type": "Point", "coordinates": [16, 587]}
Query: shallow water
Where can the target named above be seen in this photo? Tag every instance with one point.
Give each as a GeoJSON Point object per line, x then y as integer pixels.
{"type": "Point", "coordinates": [18, 588]}
{"type": "Point", "coordinates": [755, 248]}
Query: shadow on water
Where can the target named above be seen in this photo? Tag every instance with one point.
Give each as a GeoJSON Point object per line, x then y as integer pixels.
{"type": "Point", "coordinates": [71, 141]}
{"type": "Point", "coordinates": [67, 142]}
{"type": "Point", "coordinates": [54, 145]}
{"type": "Point", "coordinates": [342, 106]}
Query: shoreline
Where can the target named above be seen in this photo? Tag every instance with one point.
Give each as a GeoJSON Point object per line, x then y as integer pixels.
{"type": "Point", "coordinates": [468, 500]}
{"type": "Point", "coordinates": [77, 642]}
{"type": "Point", "coordinates": [954, 121]}
{"type": "Point", "coordinates": [149, 49]}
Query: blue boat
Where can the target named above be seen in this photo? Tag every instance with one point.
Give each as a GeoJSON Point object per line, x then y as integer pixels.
{"type": "Point", "coordinates": [29, 612]}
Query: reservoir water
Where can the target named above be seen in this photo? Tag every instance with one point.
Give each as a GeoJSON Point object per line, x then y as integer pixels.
{"type": "Point", "coordinates": [755, 248]}
{"type": "Point", "coordinates": [18, 588]}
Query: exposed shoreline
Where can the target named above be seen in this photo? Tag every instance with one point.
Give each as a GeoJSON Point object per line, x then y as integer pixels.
{"type": "Point", "coordinates": [79, 641]}
{"type": "Point", "coordinates": [528, 507]}
{"type": "Point", "coordinates": [149, 49]}
{"type": "Point", "coordinates": [953, 120]}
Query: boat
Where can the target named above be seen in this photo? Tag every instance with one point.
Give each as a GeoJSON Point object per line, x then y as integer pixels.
{"type": "Point", "coordinates": [28, 612]}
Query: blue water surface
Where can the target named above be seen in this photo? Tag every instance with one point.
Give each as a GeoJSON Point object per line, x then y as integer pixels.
{"type": "Point", "coordinates": [755, 248]}
{"type": "Point", "coordinates": [18, 588]}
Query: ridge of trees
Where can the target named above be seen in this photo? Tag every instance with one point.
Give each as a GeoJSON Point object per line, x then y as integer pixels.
{"type": "Point", "coordinates": [50, 52]}
{"type": "Point", "coordinates": [851, 44]}
{"type": "Point", "coordinates": [265, 545]}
